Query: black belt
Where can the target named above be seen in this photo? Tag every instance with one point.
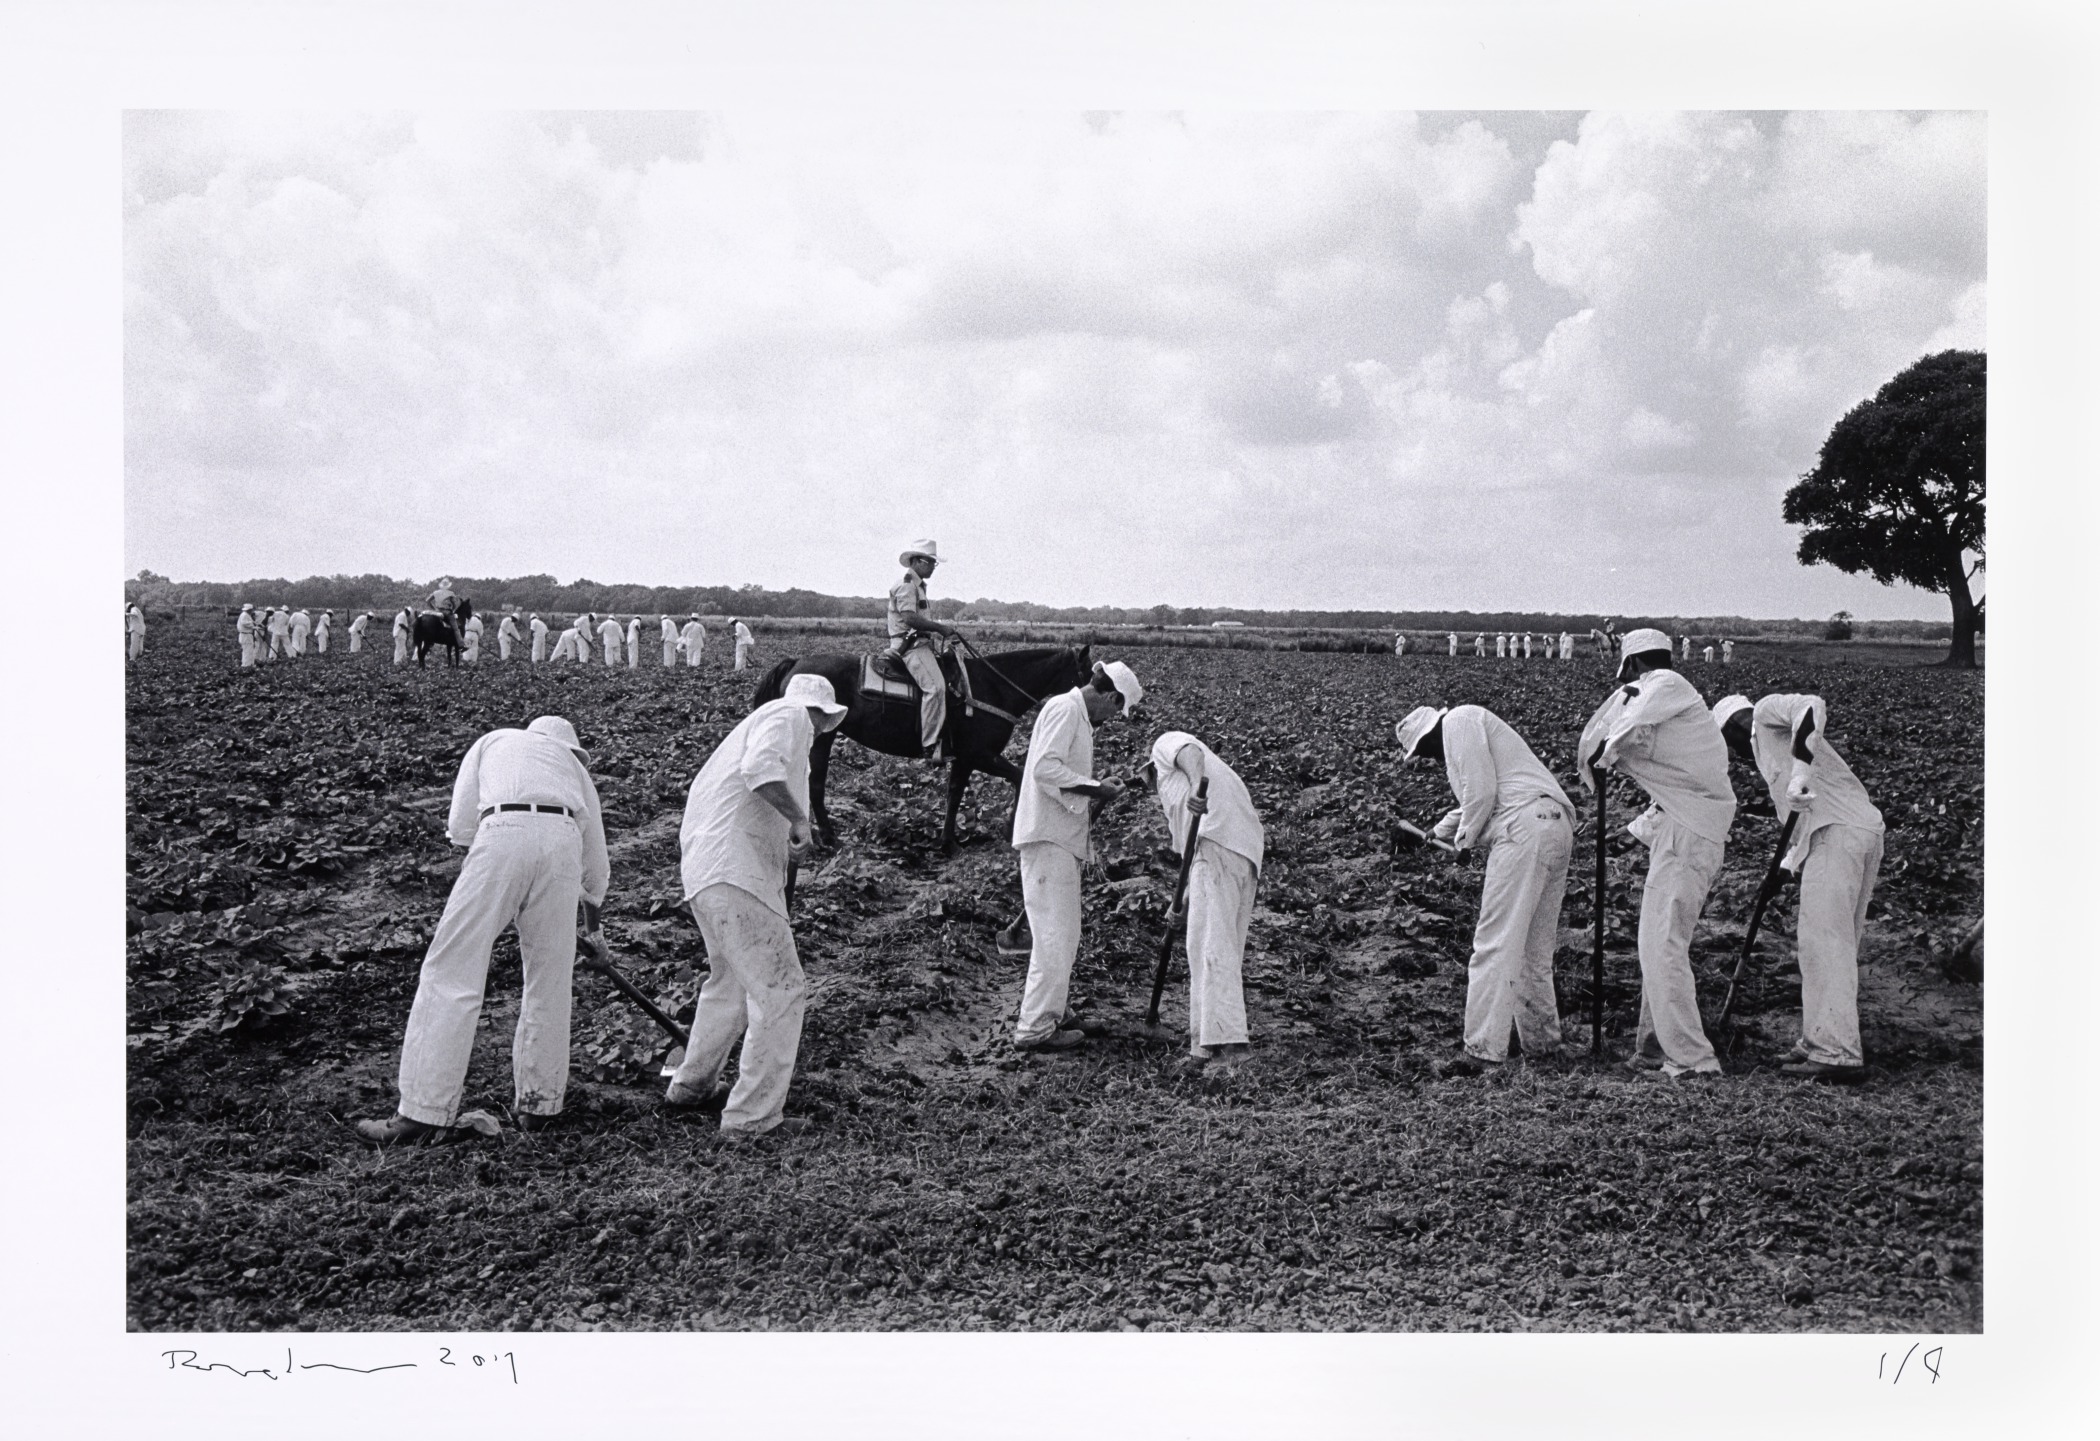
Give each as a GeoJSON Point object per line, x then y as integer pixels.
{"type": "Point", "coordinates": [487, 811]}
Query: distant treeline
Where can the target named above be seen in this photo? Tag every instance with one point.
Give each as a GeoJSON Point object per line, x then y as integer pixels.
{"type": "Point", "coordinates": [544, 593]}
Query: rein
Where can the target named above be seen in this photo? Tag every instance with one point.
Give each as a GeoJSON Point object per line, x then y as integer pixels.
{"type": "Point", "coordinates": [970, 700]}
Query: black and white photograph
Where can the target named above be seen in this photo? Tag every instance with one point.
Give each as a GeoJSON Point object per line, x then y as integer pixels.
{"type": "Point", "coordinates": [870, 719]}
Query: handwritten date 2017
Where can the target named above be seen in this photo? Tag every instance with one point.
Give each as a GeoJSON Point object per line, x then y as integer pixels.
{"type": "Point", "coordinates": [490, 1363]}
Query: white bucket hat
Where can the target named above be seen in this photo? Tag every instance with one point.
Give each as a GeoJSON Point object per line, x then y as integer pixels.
{"type": "Point", "coordinates": [1640, 642]}
{"type": "Point", "coordinates": [1125, 681]}
{"type": "Point", "coordinates": [1420, 722]}
{"type": "Point", "coordinates": [930, 549]}
{"type": "Point", "coordinates": [1727, 706]}
{"type": "Point", "coordinates": [559, 729]}
{"type": "Point", "coordinates": [813, 691]}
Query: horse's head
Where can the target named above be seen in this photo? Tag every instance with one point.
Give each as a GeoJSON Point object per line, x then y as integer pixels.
{"type": "Point", "coordinates": [1082, 663]}
{"type": "Point", "coordinates": [466, 609]}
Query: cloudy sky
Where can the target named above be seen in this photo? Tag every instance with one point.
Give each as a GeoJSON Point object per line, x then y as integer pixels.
{"type": "Point", "coordinates": [1487, 361]}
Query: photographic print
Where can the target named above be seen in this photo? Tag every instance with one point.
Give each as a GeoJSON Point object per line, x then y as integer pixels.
{"type": "Point", "coordinates": [1034, 720]}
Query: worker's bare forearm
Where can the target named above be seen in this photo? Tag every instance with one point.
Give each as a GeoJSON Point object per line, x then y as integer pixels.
{"type": "Point", "coordinates": [777, 795]}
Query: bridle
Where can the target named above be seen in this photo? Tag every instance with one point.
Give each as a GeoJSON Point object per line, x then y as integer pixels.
{"type": "Point", "coordinates": [970, 701]}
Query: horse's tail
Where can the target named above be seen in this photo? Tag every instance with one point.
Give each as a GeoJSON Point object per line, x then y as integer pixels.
{"type": "Point", "coordinates": [772, 683]}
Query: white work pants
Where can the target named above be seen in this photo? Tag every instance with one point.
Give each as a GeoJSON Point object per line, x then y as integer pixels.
{"type": "Point", "coordinates": [280, 645]}
{"type": "Point", "coordinates": [1050, 894]}
{"type": "Point", "coordinates": [743, 652]}
{"type": "Point", "coordinates": [692, 657]}
{"type": "Point", "coordinates": [634, 654]}
{"type": "Point", "coordinates": [670, 653]}
{"type": "Point", "coordinates": [472, 654]}
{"type": "Point", "coordinates": [135, 644]}
{"type": "Point", "coordinates": [524, 867]}
{"type": "Point", "coordinates": [1221, 903]}
{"type": "Point", "coordinates": [925, 668]}
{"type": "Point", "coordinates": [298, 642]}
{"type": "Point", "coordinates": [1510, 978]}
{"type": "Point", "coordinates": [612, 654]}
{"type": "Point", "coordinates": [248, 652]}
{"type": "Point", "coordinates": [1681, 869]}
{"type": "Point", "coordinates": [539, 648]}
{"type": "Point", "coordinates": [502, 646]}
{"type": "Point", "coordinates": [357, 642]}
{"type": "Point", "coordinates": [565, 647]}
{"type": "Point", "coordinates": [755, 990]}
{"type": "Point", "coordinates": [1837, 880]}
{"type": "Point", "coordinates": [400, 646]}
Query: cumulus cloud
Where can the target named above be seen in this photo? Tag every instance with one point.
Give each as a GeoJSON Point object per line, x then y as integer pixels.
{"type": "Point", "coordinates": [1296, 359]}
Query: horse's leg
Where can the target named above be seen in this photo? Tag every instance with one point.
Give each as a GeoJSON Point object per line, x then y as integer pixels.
{"type": "Point", "coordinates": [819, 768]}
{"type": "Point", "coordinates": [958, 782]}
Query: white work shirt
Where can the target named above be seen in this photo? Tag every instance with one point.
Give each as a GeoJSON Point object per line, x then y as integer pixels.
{"type": "Point", "coordinates": [539, 628]}
{"type": "Point", "coordinates": [321, 625]}
{"type": "Point", "coordinates": [508, 627]}
{"type": "Point", "coordinates": [730, 835]}
{"type": "Point", "coordinates": [302, 622]}
{"type": "Point", "coordinates": [634, 633]}
{"type": "Point", "coordinates": [135, 621]}
{"type": "Point", "coordinates": [1491, 770]}
{"type": "Point", "coordinates": [1060, 755]}
{"type": "Point", "coordinates": [360, 625]}
{"type": "Point", "coordinates": [280, 623]}
{"type": "Point", "coordinates": [1840, 798]}
{"type": "Point", "coordinates": [401, 623]}
{"type": "Point", "coordinates": [743, 634]}
{"type": "Point", "coordinates": [670, 630]}
{"type": "Point", "coordinates": [1658, 730]}
{"type": "Point", "coordinates": [472, 627]}
{"type": "Point", "coordinates": [1230, 820]}
{"type": "Point", "coordinates": [514, 765]}
{"type": "Point", "coordinates": [693, 637]}
{"type": "Point", "coordinates": [246, 624]}
{"type": "Point", "coordinates": [609, 635]}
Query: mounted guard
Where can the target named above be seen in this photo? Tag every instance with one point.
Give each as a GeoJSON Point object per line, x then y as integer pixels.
{"type": "Point", "coordinates": [918, 641]}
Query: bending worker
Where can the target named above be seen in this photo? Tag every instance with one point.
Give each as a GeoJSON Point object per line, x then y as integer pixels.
{"type": "Point", "coordinates": [527, 812]}
{"type": "Point", "coordinates": [1509, 801]}
{"type": "Point", "coordinates": [1052, 832]}
{"type": "Point", "coordinates": [1656, 728]}
{"type": "Point", "coordinates": [746, 819]}
{"type": "Point", "coordinates": [1222, 881]}
{"type": "Point", "coordinates": [918, 639]}
{"type": "Point", "coordinates": [1835, 849]}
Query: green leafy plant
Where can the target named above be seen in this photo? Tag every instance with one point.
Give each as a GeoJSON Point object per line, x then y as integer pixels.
{"type": "Point", "coordinates": [251, 994]}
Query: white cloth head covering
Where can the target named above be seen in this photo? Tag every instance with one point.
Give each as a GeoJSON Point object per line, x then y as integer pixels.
{"type": "Point", "coordinates": [1125, 681]}
{"type": "Point", "coordinates": [930, 549]}
{"type": "Point", "coordinates": [1640, 642]}
{"type": "Point", "coordinates": [813, 691]}
{"type": "Point", "coordinates": [1419, 722]}
{"type": "Point", "coordinates": [1727, 706]}
{"type": "Point", "coordinates": [558, 728]}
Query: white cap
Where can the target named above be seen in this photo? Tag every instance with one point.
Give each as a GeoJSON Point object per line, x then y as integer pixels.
{"type": "Point", "coordinates": [248, 605]}
{"type": "Point", "coordinates": [1125, 681]}
{"type": "Point", "coordinates": [930, 549]}
{"type": "Point", "coordinates": [1420, 722]}
{"type": "Point", "coordinates": [561, 730]}
{"type": "Point", "coordinates": [813, 691]}
{"type": "Point", "coordinates": [1727, 706]}
{"type": "Point", "coordinates": [1640, 642]}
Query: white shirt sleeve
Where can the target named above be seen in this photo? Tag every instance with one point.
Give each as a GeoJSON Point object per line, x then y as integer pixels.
{"type": "Point", "coordinates": [1470, 767]}
{"type": "Point", "coordinates": [597, 868]}
{"type": "Point", "coordinates": [771, 752]}
{"type": "Point", "coordinates": [465, 817]}
{"type": "Point", "coordinates": [1052, 772]}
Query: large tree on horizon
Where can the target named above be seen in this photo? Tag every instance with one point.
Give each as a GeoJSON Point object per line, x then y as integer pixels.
{"type": "Point", "coordinates": [1897, 491]}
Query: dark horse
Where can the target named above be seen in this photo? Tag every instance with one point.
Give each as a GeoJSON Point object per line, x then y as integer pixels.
{"type": "Point", "coordinates": [431, 631]}
{"type": "Point", "coordinates": [1005, 687]}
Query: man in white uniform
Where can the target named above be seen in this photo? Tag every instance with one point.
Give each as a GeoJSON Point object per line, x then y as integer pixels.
{"type": "Point", "coordinates": [525, 808]}
{"type": "Point", "coordinates": [1567, 645]}
{"type": "Point", "coordinates": [1052, 831]}
{"type": "Point", "coordinates": [1222, 881]}
{"type": "Point", "coordinates": [1454, 643]}
{"type": "Point", "coordinates": [670, 634]}
{"type": "Point", "coordinates": [1527, 645]}
{"type": "Point", "coordinates": [585, 629]}
{"type": "Point", "coordinates": [1686, 653]}
{"type": "Point", "coordinates": [1510, 802]}
{"type": "Point", "coordinates": [471, 633]}
{"type": "Point", "coordinates": [322, 626]}
{"type": "Point", "coordinates": [246, 629]}
{"type": "Point", "coordinates": [1706, 653]}
{"type": "Point", "coordinates": [565, 644]}
{"type": "Point", "coordinates": [693, 640]}
{"type": "Point", "coordinates": [506, 634]}
{"type": "Point", "coordinates": [403, 624]}
{"type": "Point", "coordinates": [134, 631]}
{"type": "Point", "coordinates": [745, 641]}
{"type": "Point", "coordinates": [280, 633]}
{"type": "Point", "coordinates": [538, 628]}
{"type": "Point", "coordinates": [1650, 728]}
{"type": "Point", "coordinates": [1727, 652]}
{"type": "Point", "coordinates": [359, 624]}
{"type": "Point", "coordinates": [1400, 644]}
{"type": "Point", "coordinates": [1479, 643]}
{"type": "Point", "coordinates": [746, 816]}
{"type": "Point", "coordinates": [1501, 646]}
{"type": "Point", "coordinates": [918, 639]}
{"type": "Point", "coordinates": [302, 627]}
{"type": "Point", "coordinates": [634, 641]}
{"type": "Point", "coordinates": [1836, 850]}
{"type": "Point", "coordinates": [610, 638]}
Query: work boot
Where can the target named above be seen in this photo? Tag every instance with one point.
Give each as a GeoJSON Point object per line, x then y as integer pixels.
{"type": "Point", "coordinates": [531, 1121]}
{"type": "Point", "coordinates": [1823, 1071]}
{"type": "Point", "coordinates": [1055, 1041]}
{"type": "Point", "coordinates": [1639, 1062]}
{"type": "Point", "coordinates": [789, 1127]}
{"type": "Point", "coordinates": [681, 1097]}
{"type": "Point", "coordinates": [399, 1130]}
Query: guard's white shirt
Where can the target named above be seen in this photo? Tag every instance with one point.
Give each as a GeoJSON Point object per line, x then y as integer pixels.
{"type": "Point", "coordinates": [1060, 755]}
{"type": "Point", "coordinates": [1840, 798]}
{"type": "Point", "coordinates": [1229, 818]}
{"type": "Point", "coordinates": [1658, 730]}
{"type": "Point", "coordinates": [516, 765]}
{"type": "Point", "coordinates": [1491, 771]}
{"type": "Point", "coordinates": [730, 834]}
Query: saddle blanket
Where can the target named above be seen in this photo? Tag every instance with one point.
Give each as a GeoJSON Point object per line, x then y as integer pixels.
{"type": "Point", "coordinates": [877, 679]}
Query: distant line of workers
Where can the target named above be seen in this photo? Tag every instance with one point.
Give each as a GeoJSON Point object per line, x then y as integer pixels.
{"type": "Point", "coordinates": [281, 632]}
{"type": "Point", "coordinates": [1517, 645]}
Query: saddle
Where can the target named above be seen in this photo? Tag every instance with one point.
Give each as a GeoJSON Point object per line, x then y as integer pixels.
{"type": "Point", "coordinates": [883, 677]}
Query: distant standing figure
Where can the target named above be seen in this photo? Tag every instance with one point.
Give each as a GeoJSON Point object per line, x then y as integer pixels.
{"type": "Point", "coordinates": [1480, 643]}
{"type": "Point", "coordinates": [693, 640]}
{"type": "Point", "coordinates": [280, 633]}
{"type": "Point", "coordinates": [1454, 643]}
{"type": "Point", "coordinates": [634, 642]}
{"type": "Point", "coordinates": [744, 643]}
{"type": "Point", "coordinates": [538, 628]}
{"type": "Point", "coordinates": [1706, 653]}
{"type": "Point", "coordinates": [609, 637]}
{"type": "Point", "coordinates": [1686, 652]}
{"type": "Point", "coordinates": [1727, 652]}
{"type": "Point", "coordinates": [1501, 646]}
{"type": "Point", "coordinates": [359, 624]}
{"type": "Point", "coordinates": [134, 631]}
{"type": "Point", "coordinates": [670, 633]}
{"type": "Point", "coordinates": [584, 627]}
{"type": "Point", "coordinates": [1567, 646]}
{"type": "Point", "coordinates": [1400, 645]}
{"type": "Point", "coordinates": [1527, 645]}
{"type": "Point", "coordinates": [302, 626]}
{"type": "Point", "coordinates": [471, 632]}
{"type": "Point", "coordinates": [246, 629]}
{"type": "Point", "coordinates": [321, 627]}
{"type": "Point", "coordinates": [402, 623]}
{"type": "Point", "coordinates": [506, 634]}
